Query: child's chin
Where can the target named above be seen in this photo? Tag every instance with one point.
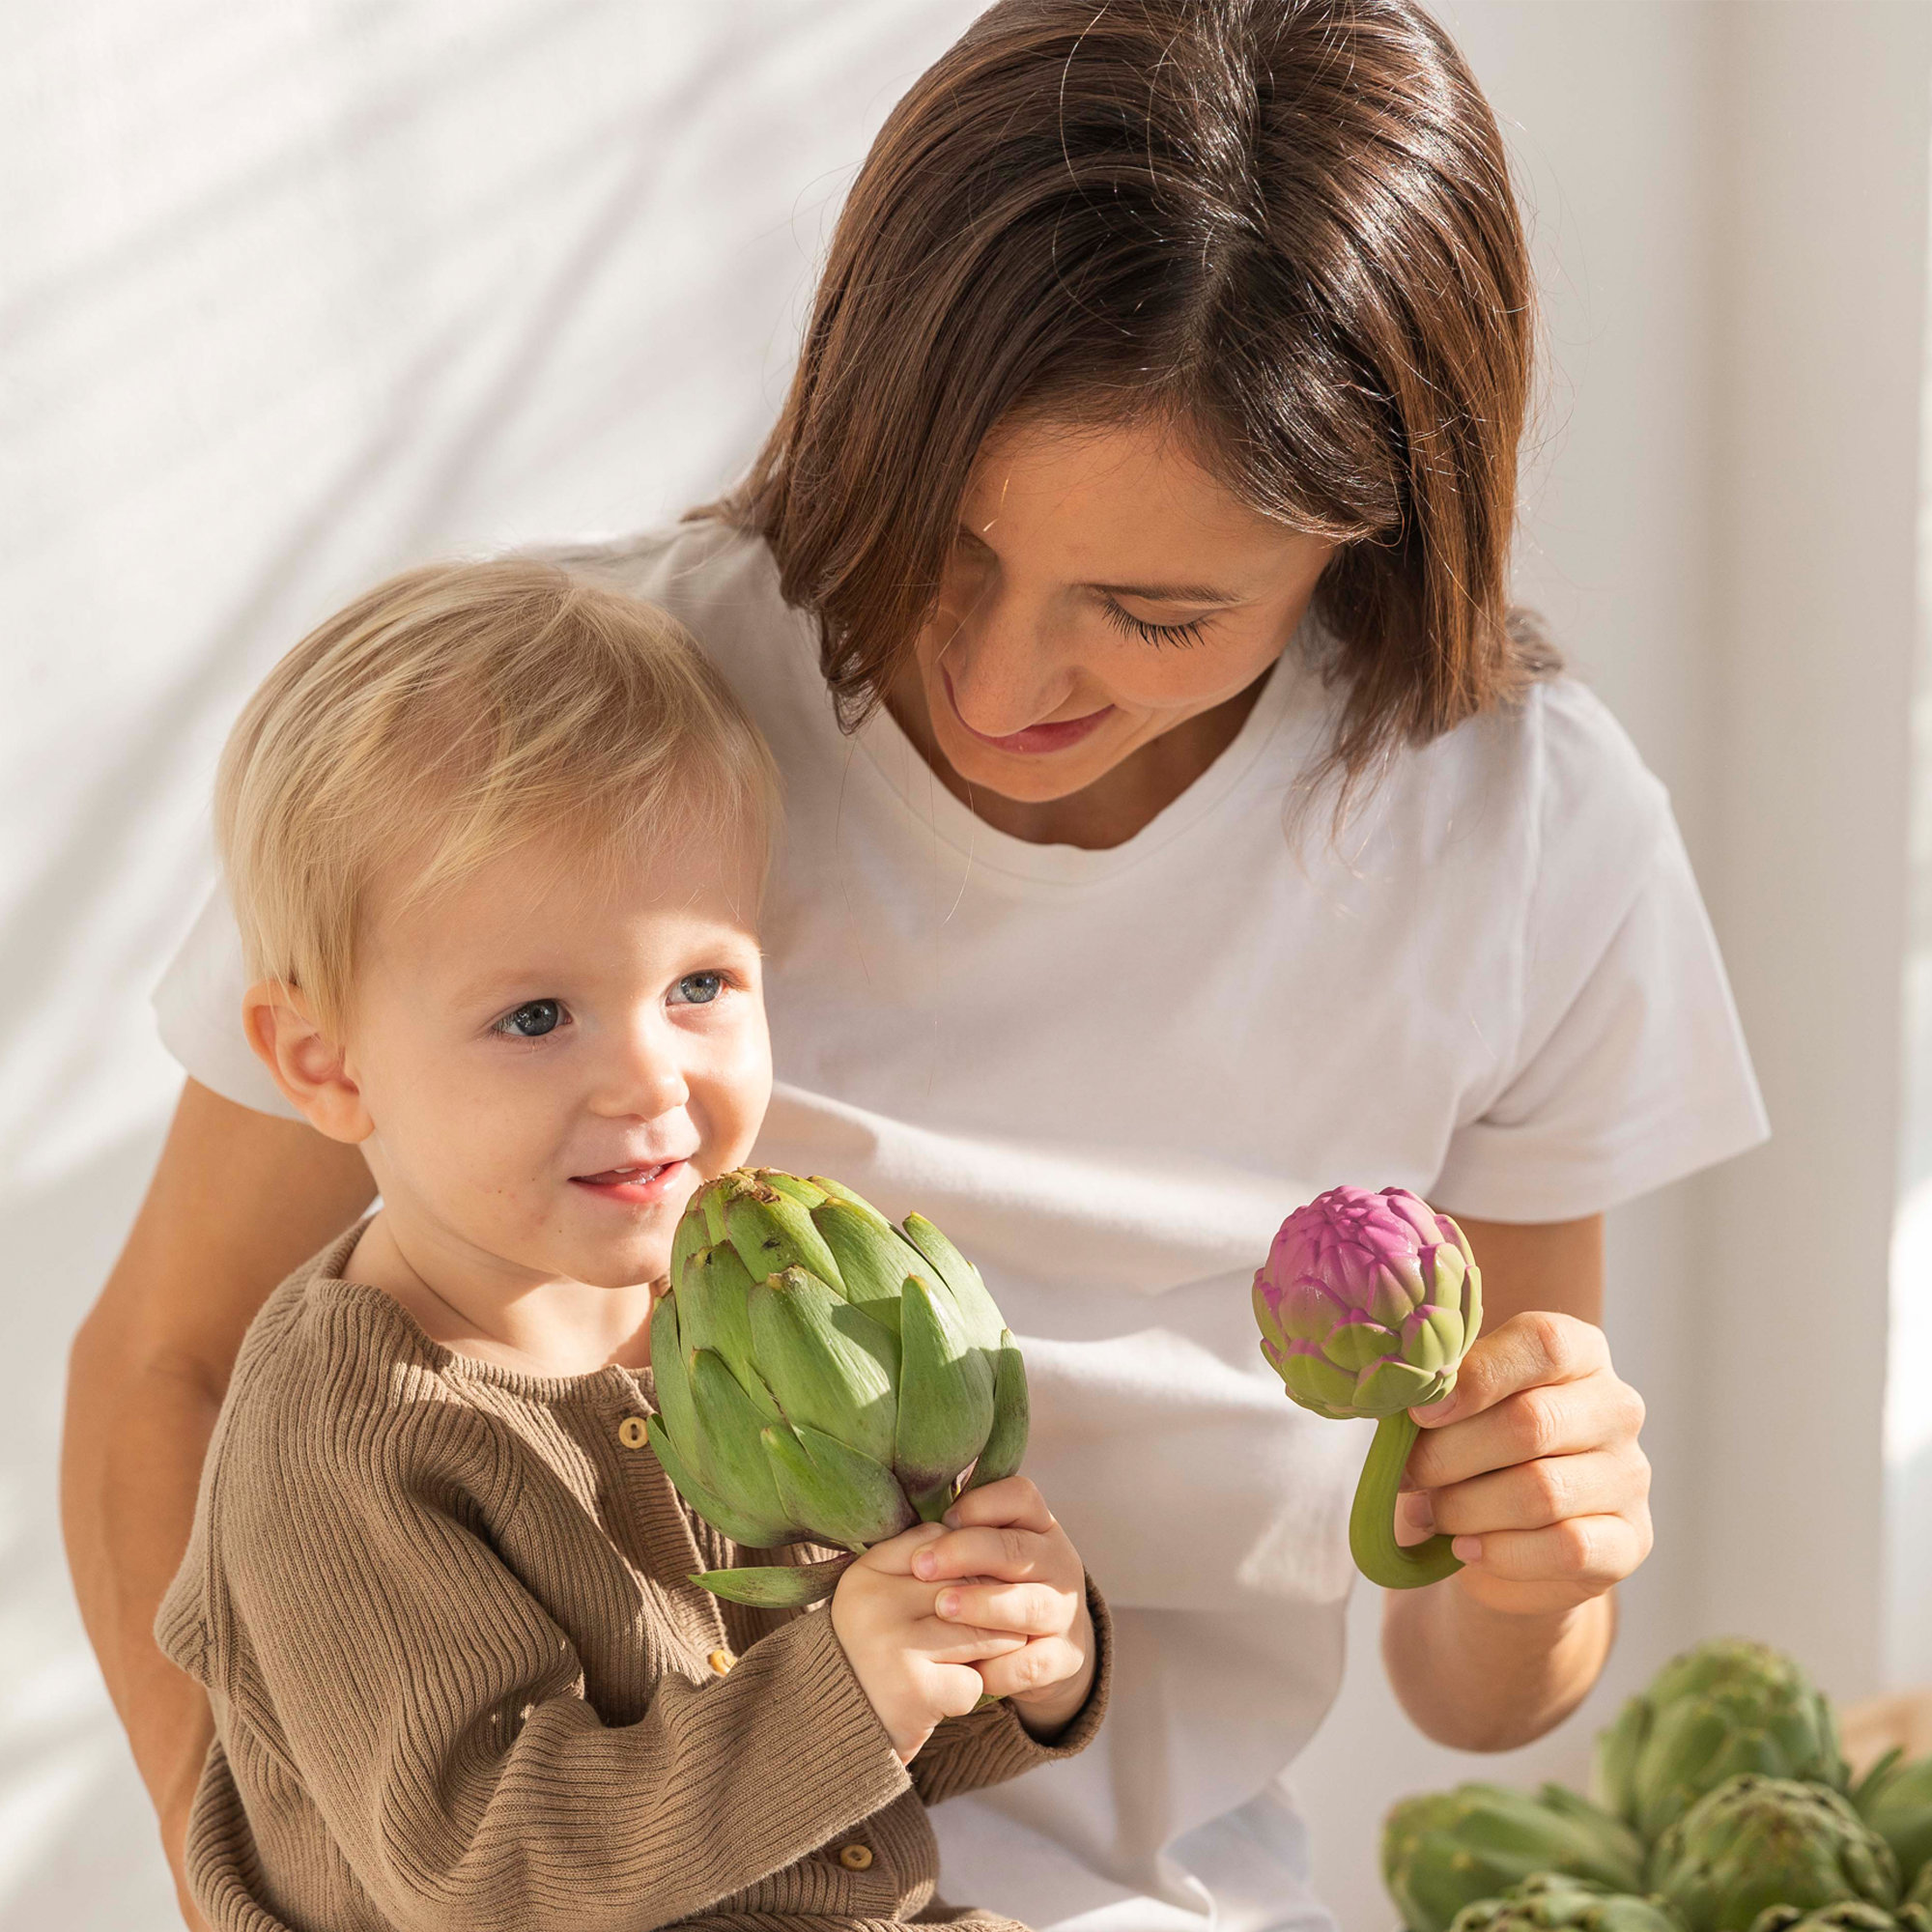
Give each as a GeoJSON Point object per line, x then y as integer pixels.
{"type": "Point", "coordinates": [623, 1264]}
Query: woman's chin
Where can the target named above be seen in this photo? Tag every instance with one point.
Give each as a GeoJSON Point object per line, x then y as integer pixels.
{"type": "Point", "coordinates": [1027, 778]}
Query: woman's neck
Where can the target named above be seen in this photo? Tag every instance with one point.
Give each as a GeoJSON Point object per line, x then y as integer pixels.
{"type": "Point", "coordinates": [1105, 813]}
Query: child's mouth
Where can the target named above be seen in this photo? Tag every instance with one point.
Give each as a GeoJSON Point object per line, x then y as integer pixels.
{"type": "Point", "coordinates": [633, 1185]}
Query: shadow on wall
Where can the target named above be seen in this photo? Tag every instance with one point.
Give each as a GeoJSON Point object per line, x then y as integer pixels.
{"type": "Point", "coordinates": [77, 1845]}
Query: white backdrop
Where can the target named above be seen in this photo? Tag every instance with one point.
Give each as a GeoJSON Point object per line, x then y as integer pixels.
{"type": "Point", "coordinates": [291, 295]}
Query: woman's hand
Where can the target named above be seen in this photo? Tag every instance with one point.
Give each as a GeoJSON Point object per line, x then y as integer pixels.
{"type": "Point", "coordinates": [915, 1667]}
{"type": "Point", "coordinates": [1533, 1466]}
{"type": "Point", "coordinates": [1009, 1566]}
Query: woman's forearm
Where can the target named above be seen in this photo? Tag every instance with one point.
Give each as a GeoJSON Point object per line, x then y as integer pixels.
{"type": "Point", "coordinates": [1485, 1680]}
{"type": "Point", "coordinates": [129, 1465]}
{"type": "Point", "coordinates": [237, 1201]}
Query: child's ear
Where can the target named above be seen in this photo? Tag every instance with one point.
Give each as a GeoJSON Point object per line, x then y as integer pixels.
{"type": "Point", "coordinates": [306, 1063]}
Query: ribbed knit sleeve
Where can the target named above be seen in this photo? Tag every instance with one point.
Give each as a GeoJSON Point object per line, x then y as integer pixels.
{"type": "Point", "coordinates": [991, 1746]}
{"type": "Point", "coordinates": [366, 1638]}
{"type": "Point", "coordinates": [436, 1716]}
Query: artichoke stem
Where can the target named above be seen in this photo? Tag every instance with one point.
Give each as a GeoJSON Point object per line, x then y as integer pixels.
{"type": "Point", "coordinates": [1377, 1555]}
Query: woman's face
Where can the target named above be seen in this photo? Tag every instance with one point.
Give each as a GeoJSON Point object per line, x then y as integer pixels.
{"type": "Point", "coordinates": [1102, 589]}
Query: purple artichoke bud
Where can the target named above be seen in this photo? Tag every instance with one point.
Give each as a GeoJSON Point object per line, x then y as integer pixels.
{"type": "Point", "coordinates": [1368, 1303]}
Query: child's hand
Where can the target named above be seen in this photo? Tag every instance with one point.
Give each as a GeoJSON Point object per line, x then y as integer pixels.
{"type": "Point", "coordinates": [915, 1667]}
{"type": "Point", "coordinates": [1027, 1577]}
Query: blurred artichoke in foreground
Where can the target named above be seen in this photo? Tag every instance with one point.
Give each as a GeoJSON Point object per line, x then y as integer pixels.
{"type": "Point", "coordinates": [1849, 1915]}
{"type": "Point", "coordinates": [1367, 1304]}
{"type": "Point", "coordinates": [823, 1377]}
{"type": "Point", "coordinates": [1551, 1900]}
{"type": "Point", "coordinates": [1756, 1842]}
{"type": "Point", "coordinates": [1894, 1798]}
{"type": "Point", "coordinates": [1725, 1707]}
{"type": "Point", "coordinates": [1451, 1849]}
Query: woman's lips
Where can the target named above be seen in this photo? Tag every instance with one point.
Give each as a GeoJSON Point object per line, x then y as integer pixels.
{"type": "Point", "coordinates": [635, 1186]}
{"type": "Point", "coordinates": [1034, 739]}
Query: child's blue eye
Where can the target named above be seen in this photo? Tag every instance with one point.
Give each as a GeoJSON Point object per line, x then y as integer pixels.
{"type": "Point", "coordinates": [532, 1021]}
{"type": "Point", "coordinates": [699, 989]}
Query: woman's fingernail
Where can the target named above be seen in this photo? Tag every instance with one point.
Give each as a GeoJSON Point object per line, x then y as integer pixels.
{"type": "Point", "coordinates": [1434, 1414]}
{"type": "Point", "coordinates": [1466, 1548]}
{"type": "Point", "coordinates": [947, 1604]}
{"type": "Point", "coordinates": [1419, 1509]}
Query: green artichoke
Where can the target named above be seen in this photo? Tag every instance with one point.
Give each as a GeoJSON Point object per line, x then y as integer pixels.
{"type": "Point", "coordinates": [823, 1377]}
{"type": "Point", "coordinates": [1449, 1849]}
{"type": "Point", "coordinates": [1755, 1843]}
{"type": "Point", "coordinates": [1895, 1799]}
{"type": "Point", "coordinates": [1552, 1900]}
{"type": "Point", "coordinates": [1367, 1304]}
{"type": "Point", "coordinates": [1726, 1706]}
{"type": "Point", "coordinates": [1849, 1915]}
{"type": "Point", "coordinates": [1922, 1888]}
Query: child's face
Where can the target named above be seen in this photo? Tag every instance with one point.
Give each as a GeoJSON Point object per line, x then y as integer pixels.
{"type": "Point", "coordinates": [554, 1056]}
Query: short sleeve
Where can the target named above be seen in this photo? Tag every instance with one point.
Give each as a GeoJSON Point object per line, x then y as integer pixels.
{"type": "Point", "coordinates": [198, 1004]}
{"type": "Point", "coordinates": [1630, 1068]}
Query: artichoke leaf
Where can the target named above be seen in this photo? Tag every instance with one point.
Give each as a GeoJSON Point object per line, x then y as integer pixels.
{"type": "Point", "coordinates": [839, 1494]}
{"type": "Point", "coordinates": [945, 1400]}
{"type": "Point", "coordinates": [831, 1367]}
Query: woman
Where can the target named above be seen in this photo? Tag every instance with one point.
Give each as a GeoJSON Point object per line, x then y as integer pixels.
{"type": "Point", "coordinates": [1208, 831]}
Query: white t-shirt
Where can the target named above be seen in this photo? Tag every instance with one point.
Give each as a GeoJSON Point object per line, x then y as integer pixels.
{"type": "Point", "coordinates": [1109, 1075]}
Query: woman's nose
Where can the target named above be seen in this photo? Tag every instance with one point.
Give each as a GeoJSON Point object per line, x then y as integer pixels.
{"type": "Point", "coordinates": [1002, 666]}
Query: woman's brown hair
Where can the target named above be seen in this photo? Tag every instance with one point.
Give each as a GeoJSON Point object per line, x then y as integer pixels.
{"type": "Point", "coordinates": [1285, 225]}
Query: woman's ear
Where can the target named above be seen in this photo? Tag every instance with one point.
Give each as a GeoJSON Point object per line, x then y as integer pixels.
{"type": "Point", "coordinates": [304, 1062]}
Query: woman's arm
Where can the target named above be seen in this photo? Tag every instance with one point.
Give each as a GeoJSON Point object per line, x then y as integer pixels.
{"type": "Point", "coordinates": [1536, 1457]}
{"type": "Point", "coordinates": [238, 1200]}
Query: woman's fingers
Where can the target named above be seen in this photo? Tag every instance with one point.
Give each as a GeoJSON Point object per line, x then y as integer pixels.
{"type": "Point", "coordinates": [1528, 1351]}
{"type": "Point", "coordinates": [1566, 1418]}
{"type": "Point", "coordinates": [1578, 1557]}
{"type": "Point", "coordinates": [1536, 1495]}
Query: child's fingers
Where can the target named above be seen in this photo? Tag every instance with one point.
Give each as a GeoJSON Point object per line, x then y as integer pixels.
{"type": "Point", "coordinates": [1012, 1500]}
{"type": "Point", "coordinates": [1046, 1660]}
{"type": "Point", "coordinates": [956, 1643]}
{"type": "Point", "coordinates": [956, 1689]}
{"type": "Point", "coordinates": [1010, 1554]}
{"type": "Point", "coordinates": [1036, 1608]}
{"type": "Point", "coordinates": [894, 1556]}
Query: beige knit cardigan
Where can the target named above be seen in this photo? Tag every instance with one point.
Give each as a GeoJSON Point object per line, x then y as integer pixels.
{"type": "Point", "coordinates": [460, 1678]}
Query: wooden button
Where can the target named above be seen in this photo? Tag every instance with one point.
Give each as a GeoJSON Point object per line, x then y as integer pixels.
{"type": "Point", "coordinates": [856, 1858]}
{"type": "Point", "coordinates": [722, 1660]}
{"type": "Point", "coordinates": [632, 1432]}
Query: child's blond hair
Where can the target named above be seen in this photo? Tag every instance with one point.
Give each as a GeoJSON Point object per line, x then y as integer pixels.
{"type": "Point", "coordinates": [445, 718]}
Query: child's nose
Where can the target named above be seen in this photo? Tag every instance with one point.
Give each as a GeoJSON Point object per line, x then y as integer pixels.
{"type": "Point", "coordinates": [641, 1078]}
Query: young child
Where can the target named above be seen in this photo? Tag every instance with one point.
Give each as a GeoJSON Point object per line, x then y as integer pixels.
{"type": "Point", "coordinates": [496, 839]}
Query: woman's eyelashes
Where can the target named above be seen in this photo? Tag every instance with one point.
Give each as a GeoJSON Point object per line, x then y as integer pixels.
{"type": "Point", "coordinates": [1126, 622]}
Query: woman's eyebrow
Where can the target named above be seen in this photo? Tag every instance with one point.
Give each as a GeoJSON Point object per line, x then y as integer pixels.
{"type": "Point", "coordinates": [1171, 593]}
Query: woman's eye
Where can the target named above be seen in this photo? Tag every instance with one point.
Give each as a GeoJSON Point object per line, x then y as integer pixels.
{"type": "Point", "coordinates": [532, 1021]}
{"type": "Point", "coordinates": [1129, 625]}
{"type": "Point", "coordinates": [697, 989]}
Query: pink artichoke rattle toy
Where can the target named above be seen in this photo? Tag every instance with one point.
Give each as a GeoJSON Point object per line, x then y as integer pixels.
{"type": "Point", "coordinates": [1367, 1305]}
